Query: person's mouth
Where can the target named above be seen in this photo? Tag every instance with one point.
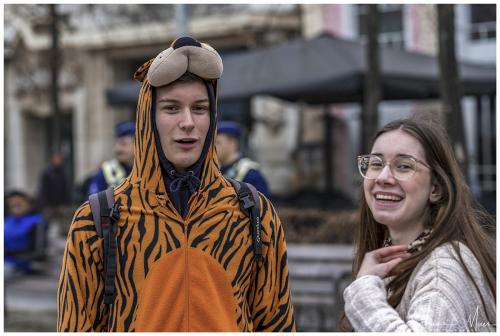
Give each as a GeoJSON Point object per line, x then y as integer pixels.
{"type": "Point", "coordinates": [387, 201]}
{"type": "Point", "coordinates": [387, 197]}
{"type": "Point", "coordinates": [186, 143]}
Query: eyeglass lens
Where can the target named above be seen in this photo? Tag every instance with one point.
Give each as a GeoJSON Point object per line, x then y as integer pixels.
{"type": "Point", "coordinates": [402, 168]}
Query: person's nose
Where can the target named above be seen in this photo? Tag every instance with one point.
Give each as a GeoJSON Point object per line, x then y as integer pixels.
{"type": "Point", "coordinates": [186, 122]}
{"type": "Point", "coordinates": [385, 176]}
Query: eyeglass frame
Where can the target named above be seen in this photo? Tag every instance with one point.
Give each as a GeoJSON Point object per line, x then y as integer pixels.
{"type": "Point", "coordinates": [388, 162]}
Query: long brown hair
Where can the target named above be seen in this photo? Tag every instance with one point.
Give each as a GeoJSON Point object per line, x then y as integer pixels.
{"type": "Point", "coordinates": [454, 218]}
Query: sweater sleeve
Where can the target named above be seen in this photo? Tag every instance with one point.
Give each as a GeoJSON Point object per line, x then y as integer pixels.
{"type": "Point", "coordinates": [270, 301]}
{"type": "Point", "coordinates": [368, 310]}
{"type": "Point", "coordinates": [439, 298]}
{"type": "Point", "coordinates": [80, 292]}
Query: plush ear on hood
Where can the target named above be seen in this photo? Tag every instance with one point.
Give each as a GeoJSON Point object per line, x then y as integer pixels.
{"type": "Point", "coordinates": [184, 55]}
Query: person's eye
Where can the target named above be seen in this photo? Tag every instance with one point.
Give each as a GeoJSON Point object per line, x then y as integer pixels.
{"type": "Point", "coordinates": [376, 164]}
{"type": "Point", "coordinates": [404, 165]}
{"type": "Point", "coordinates": [200, 109]}
{"type": "Point", "coordinates": [170, 108]}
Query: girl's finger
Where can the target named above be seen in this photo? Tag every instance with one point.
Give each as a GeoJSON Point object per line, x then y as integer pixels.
{"type": "Point", "coordinates": [387, 251]}
{"type": "Point", "coordinates": [402, 255]}
{"type": "Point", "coordinates": [388, 266]}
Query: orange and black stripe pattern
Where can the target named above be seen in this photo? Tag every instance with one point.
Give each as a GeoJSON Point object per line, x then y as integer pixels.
{"type": "Point", "coordinates": [176, 274]}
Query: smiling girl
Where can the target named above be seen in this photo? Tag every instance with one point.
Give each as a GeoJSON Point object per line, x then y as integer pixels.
{"type": "Point", "coordinates": [423, 261]}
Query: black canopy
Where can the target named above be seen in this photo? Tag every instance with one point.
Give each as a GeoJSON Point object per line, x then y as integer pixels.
{"type": "Point", "coordinates": [326, 69]}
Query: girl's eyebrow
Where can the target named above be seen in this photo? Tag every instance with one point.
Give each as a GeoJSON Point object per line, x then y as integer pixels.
{"type": "Point", "coordinates": [397, 154]}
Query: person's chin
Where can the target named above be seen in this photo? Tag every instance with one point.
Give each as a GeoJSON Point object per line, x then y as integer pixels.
{"type": "Point", "coordinates": [184, 162]}
{"type": "Point", "coordinates": [388, 217]}
{"type": "Point", "coordinates": [121, 159]}
{"type": "Point", "coordinates": [389, 221]}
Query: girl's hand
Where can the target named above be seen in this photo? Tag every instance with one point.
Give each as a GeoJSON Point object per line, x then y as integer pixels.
{"type": "Point", "coordinates": [381, 261]}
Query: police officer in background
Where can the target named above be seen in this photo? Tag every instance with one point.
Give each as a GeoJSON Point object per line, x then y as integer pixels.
{"type": "Point", "coordinates": [113, 171]}
{"type": "Point", "coordinates": [233, 164]}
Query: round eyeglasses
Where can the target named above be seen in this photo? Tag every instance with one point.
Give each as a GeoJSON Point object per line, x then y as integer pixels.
{"type": "Point", "coordinates": [402, 167]}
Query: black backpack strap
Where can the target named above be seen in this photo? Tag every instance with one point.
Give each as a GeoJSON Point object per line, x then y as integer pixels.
{"type": "Point", "coordinates": [104, 199]}
{"type": "Point", "coordinates": [249, 199]}
{"type": "Point", "coordinates": [106, 213]}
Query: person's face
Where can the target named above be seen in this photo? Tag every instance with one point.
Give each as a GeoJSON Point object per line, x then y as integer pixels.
{"type": "Point", "coordinates": [124, 149]}
{"type": "Point", "coordinates": [227, 146]}
{"type": "Point", "coordinates": [399, 204]}
{"type": "Point", "coordinates": [182, 120]}
{"type": "Point", "coordinates": [57, 160]}
{"type": "Point", "coordinates": [18, 206]}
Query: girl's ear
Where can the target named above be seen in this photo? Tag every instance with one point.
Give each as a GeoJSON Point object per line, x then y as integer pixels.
{"type": "Point", "coordinates": [435, 194]}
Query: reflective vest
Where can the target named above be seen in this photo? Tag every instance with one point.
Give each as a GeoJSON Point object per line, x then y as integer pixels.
{"type": "Point", "coordinates": [239, 170]}
{"type": "Point", "coordinates": [113, 172]}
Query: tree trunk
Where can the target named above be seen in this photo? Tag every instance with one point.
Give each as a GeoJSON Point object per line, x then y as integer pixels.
{"type": "Point", "coordinates": [328, 150]}
{"type": "Point", "coordinates": [54, 69]}
{"type": "Point", "coordinates": [372, 85]}
{"type": "Point", "coordinates": [451, 90]}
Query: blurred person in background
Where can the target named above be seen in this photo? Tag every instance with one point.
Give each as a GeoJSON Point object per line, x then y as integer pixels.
{"type": "Point", "coordinates": [81, 191]}
{"type": "Point", "coordinates": [54, 193]}
{"type": "Point", "coordinates": [25, 233]}
{"type": "Point", "coordinates": [232, 163]}
{"type": "Point", "coordinates": [423, 261]}
{"type": "Point", "coordinates": [114, 171]}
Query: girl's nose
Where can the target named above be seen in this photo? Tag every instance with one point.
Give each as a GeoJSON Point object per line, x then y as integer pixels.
{"type": "Point", "coordinates": [386, 176]}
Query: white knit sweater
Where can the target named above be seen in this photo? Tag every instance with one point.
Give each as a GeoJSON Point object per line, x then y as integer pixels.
{"type": "Point", "coordinates": [439, 297]}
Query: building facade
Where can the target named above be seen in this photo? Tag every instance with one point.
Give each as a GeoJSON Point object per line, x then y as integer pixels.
{"type": "Point", "coordinates": [102, 45]}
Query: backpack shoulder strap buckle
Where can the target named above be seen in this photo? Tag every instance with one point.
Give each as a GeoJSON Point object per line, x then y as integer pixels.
{"type": "Point", "coordinates": [247, 200]}
{"type": "Point", "coordinates": [115, 212]}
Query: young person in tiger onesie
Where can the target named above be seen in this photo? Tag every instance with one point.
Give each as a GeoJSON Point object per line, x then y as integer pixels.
{"type": "Point", "coordinates": [185, 257]}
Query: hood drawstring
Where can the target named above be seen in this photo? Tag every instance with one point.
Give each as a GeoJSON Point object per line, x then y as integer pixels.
{"type": "Point", "coordinates": [189, 179]}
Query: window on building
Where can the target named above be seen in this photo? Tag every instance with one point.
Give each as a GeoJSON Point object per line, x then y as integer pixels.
{"type": "Point", "coordinates": [390, 24]}
{"type": "Point", "coordinates": [482, 22]}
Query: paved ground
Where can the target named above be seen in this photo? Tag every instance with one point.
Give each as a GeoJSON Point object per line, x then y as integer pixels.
{"type": "Point", "coordinates": [30, 301]}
